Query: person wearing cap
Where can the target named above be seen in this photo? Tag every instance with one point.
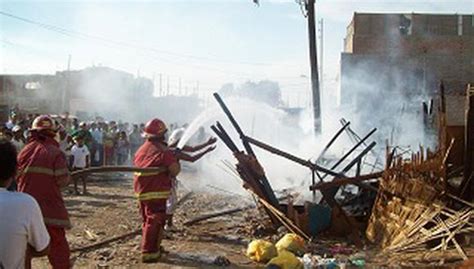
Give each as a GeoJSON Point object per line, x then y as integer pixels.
{"type": "Point", "coordinates": [84, 132]}
{"type": "Point", "coordinates": [152, 189]}
{"type": "Point", "coordinates": [42, 172]}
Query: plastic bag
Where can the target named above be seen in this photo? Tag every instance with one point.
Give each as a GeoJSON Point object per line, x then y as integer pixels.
{"type": "Point", "coordinates": [291, 242]}
{"type": "Point", "coordinates": [261, 251]}
{"type": "Point", "coordinates": [286, 260]}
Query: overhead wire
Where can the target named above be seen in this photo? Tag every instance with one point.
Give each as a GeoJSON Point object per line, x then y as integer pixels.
{"type": "Point", "coordinates": [73, 33]}
{"type": "Point", "coordinates": [153, 57]}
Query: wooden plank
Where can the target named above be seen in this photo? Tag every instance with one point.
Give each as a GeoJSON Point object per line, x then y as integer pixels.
{"type": "Point", "coordinates": [361, 141]}
{"type": "Point", "coordinates": [268, 191]}
{"type": "Point", "coordinates": [345, 181]}
{"type": "Point", "coordinates": [216, 214]}
{"type": "Point", "coordinates": [291, 157]}
{"type": "Point", "coordinates": [333, 139]}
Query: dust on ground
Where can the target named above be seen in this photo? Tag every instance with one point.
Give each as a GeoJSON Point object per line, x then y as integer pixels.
{"type": "Point", "coordinates": [110, 210]}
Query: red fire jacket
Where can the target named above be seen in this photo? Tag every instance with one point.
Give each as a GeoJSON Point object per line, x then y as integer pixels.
{"type": "Point", "coordinates": [41, 166]}
{"type": "Point", "coordinates": [153, 185]}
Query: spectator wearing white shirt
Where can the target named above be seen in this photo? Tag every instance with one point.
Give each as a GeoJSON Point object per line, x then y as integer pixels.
{"type": "Point", "coordinates": [80, 159]}
{"type": "Point", "coordinates": [23, 234]}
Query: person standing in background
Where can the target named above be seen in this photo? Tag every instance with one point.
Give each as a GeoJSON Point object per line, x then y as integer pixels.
{"type": "Point", "coordinates": [97, 150]}
{"type": "Point", "coordinates": [122, 148]}
{"type": "Point", "coordinates": [80, 160]}
{"type": "Point", "coordinates": [136, 140]}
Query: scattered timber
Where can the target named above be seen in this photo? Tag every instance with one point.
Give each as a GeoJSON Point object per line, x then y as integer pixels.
{"type": "Point", "coordinates": [216, 214]}
{"type": "Point", "coordinates": [123, 236]}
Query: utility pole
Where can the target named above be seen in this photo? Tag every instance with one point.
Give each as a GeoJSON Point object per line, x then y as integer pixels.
{"type": "Point", "coordinates": [308, 6]}
{"type": "Point", "coordinates": [321, 56]}
{"type": "Point", "coordinates": [65, 95]}
{"type": "Point", "coordinates": [179, 86]}
{"type": "Point", "coordinates": [313, 57]}
{"type": "Point", "coordinates": [167, 85]}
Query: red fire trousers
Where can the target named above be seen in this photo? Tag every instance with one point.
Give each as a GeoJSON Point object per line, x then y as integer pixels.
{"type": "Point", "coordinates": [154, 217]}
{"type": "Point", "coordinates": [59, 248]}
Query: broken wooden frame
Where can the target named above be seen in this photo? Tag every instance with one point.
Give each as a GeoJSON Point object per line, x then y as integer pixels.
{"type": "Point", "coordinates": [415, 221]}
{"type": "Point", "coordinates": [260, 185]}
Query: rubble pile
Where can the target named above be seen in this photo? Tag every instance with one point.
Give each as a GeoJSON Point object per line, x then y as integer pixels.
{"type": "Point", "coordinates": [412, 219]}
{"type": "Point", "coordinates": [416, 216]}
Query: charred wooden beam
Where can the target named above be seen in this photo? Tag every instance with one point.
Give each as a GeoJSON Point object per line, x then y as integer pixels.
{"type": "Point", "coordinates": [216, 215]}
{"type": "Point", "coordinates": [267, 189]}
{"type": "Point", "coordinates": [333, 139]}
{"type": "Point", "coordinates": [234, 123]}
{"type": "Point", "coordinates": [359, 157]}
{"type": "Point", "coordinates": [355, 137]}
{"type": "Point", "coordinates": [222, 134]}
{"type": "Point", "coordinates": [332, 191]}
{"type": "Point", "coordinates": [344, 181]}
{"type": "Point", "coordinates": [361, 141]}
{"type": "Point", "coordinates": [291, 157]}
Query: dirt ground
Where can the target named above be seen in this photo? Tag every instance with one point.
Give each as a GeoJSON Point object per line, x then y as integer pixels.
{"type": "Point", "coordinates": [110, 210]}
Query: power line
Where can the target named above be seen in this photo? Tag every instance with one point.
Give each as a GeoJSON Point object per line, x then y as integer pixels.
{"type": "Point", "coordinates": [73, 33]}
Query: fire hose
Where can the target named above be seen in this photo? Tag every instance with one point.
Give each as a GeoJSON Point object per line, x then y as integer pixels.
{"type": "Point", "coordinates": [111, 169]}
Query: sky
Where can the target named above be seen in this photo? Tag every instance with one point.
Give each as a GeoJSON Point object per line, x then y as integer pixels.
{"type": "Point", "coordinates": [201, 43]}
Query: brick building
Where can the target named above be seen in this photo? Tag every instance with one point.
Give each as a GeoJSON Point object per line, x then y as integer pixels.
{"type": "Point", "coordinates": [407, 52]}
{"type": "Point", "coordinates": [398, 60]}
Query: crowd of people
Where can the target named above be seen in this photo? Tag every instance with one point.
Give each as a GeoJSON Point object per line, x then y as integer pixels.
{"type": "Point", "coordinates": [107, 142]}
{"type": "Point", "coordinates": [37, 155]}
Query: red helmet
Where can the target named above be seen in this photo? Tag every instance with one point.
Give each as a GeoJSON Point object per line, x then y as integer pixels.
{"type": "Point", "coordinates": [155, 128]}
{"type": "Point", "coordinates": [43, 122]}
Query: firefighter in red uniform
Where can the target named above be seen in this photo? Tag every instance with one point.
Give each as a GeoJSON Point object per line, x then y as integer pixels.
{"type": "Point", "coordinates": [43, 172]}
{"type": "Point", "coordinates": [153, 188]}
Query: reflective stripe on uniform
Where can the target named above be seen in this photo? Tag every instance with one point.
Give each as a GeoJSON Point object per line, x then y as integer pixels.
{"type": "Point", "coordinates": [145, 196]}
{"type": "Point", "coordinates": [148, 174]}
{"type": "Point", "coordinates": [44, 171]}
{"type": "Point", "coordinates": [58, 222]}
{"type": "Point", "coordinates": [150, 256]}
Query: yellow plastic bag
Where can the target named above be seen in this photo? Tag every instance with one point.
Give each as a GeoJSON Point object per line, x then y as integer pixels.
{"type": "Point", "coordinates": [291, 242]}
{"type": "Point", "coordinates": [261, 251]}
{"type": "Point", "coordinates": [286, 260]}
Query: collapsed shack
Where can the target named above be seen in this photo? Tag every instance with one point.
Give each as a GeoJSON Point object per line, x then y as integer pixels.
{"type": "Point", "coordinates": [406, 208]}
{"type": "Point", "coordinates": [313, 217]}
{"type": "Point", "coordinates": [414, 219]}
